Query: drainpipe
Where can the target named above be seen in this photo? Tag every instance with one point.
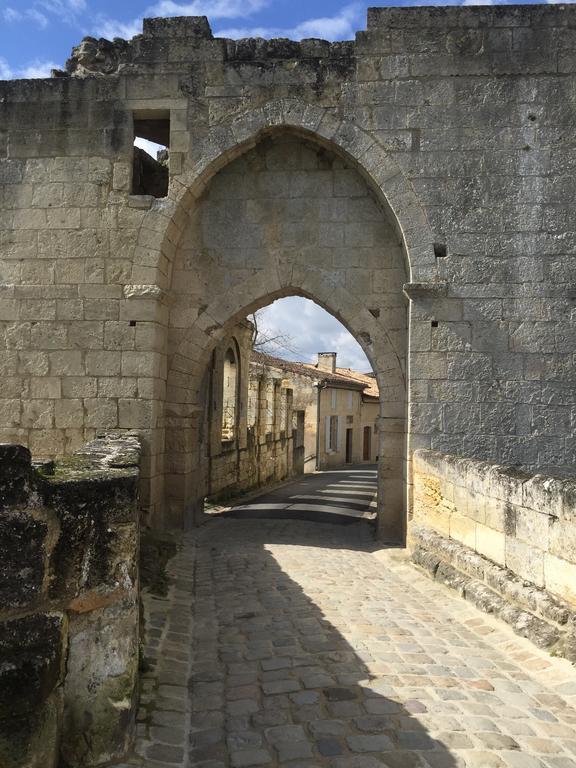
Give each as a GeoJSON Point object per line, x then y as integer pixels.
{"type": "Point", "coordinates": [319, 387]}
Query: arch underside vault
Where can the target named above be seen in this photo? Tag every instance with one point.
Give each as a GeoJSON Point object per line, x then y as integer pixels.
{"type": "Point", "coordinates": [289, 216]}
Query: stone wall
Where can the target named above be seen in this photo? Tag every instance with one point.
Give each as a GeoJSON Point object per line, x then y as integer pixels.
{"type": "Point", "coordinates": [68, 604]}
{"type": "Point", "coordinates": [259, 449]}
{"type": "Point", "coordinates": [434, 151]}
{"type": "Point", "coordinates": [505, 538]}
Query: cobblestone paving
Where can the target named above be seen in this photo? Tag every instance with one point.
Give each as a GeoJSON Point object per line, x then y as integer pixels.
{"type": "Point", "coordinates": [306, 647]}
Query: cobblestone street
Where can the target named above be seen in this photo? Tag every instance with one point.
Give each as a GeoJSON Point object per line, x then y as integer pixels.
{"type": "Point", "coordinates": [300, 644]}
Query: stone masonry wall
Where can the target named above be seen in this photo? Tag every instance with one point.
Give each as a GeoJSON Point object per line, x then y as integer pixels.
{"type": "Point", "coordinates": [456, 123]}
{"type": "Point", "coordinates": [522, 529]}
{"type": "Point", "coordinates": [68, 605]}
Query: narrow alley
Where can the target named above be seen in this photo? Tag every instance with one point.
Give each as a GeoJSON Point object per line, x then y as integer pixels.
{"type": "Point", "coordinates": [290, 639]}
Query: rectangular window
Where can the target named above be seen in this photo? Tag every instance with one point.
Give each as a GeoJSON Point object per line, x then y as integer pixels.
{"type": "Point", "coordinates": [150, 159]}
{"type": "Point", "coordinates": [350, 400]}
{"type": "Point", "coordinates": [334, 395]}
{"type": "Point", "coordinates": [333, 436]}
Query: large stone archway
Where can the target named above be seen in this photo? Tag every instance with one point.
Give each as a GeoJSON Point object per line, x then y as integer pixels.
{"type": "Point", "coordinates": [290, 216]}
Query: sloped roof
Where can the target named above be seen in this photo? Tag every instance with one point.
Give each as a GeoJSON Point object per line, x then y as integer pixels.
{"type": "Point", "coordinates": [343, 377]}
{"type": "Point", "coordinates": [365, 378]}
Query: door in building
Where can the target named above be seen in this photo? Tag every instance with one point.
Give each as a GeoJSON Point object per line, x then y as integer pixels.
{"type": "Point", "coordinates": [367, 452]}
{"type": "Point", "coordinates": [298, 442]}
{"type": "Point", "coordinates": [348, 446]}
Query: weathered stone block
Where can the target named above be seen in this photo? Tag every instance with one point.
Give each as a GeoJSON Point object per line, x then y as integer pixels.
{"type": "Point", "coordinates": [33, 650]}
{"type": "Point", "coordinates": [24, 542]}
{"type": "Point", "coordinates": [15, 473]}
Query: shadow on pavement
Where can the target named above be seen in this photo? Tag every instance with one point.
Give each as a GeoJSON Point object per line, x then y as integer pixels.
{"type": "Point", "coordinates": [274, 683]}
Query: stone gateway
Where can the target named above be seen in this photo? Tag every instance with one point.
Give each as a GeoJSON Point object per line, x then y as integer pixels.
{"type": "Point", "coordinates": [417, 182]}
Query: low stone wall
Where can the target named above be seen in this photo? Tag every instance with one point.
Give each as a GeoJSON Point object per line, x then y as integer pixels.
{"type": "Point", "coordinates": [504, 538]}
{"type": "Point", "coordinates": [68, 604]}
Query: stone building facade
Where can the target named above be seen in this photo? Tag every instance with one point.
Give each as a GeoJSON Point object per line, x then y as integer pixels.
{"type": "Point", "coordinates": [248, 423]}
{"type": "Point", "coordinates": [417, 182]}
{"type": "Point", "coordinates": [338, 410]}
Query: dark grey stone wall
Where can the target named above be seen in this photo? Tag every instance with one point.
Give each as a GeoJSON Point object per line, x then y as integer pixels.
{"type": "Point", "coordinates": [69, 604]}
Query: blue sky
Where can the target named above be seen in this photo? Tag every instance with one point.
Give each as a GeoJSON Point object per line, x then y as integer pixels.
{"type": "Point", "coordinates": [36, 35]}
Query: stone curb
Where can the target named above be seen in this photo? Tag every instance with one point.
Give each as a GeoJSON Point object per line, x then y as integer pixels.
{"type": "Point", "coordinates": [531, 612]}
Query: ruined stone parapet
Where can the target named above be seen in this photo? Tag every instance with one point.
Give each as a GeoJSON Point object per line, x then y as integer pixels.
{"type": "Point", "coordinates": [69, 604]}
{"type": "Point", "coordinates": [505, 539]}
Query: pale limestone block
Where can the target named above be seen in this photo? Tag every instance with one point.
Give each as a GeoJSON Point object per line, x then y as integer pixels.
{"type": "Point", "coordinates": [101, 413]}
{"type": "Point", "coordinates": [30, 218]}
{"type": "Point", "coordinates": [562, 538]}
{"type": "Point", "coordinates": [151, 389]}
{"type": "Point", "coordinates": [99, 170]}
{"type": "Point", "coordinates": [119, 335]}
{"type": "Point", "coordinates": [47, 195]}
{"type": "Point", "coordinates": [496, 513]}
{"type": "Point", "coordinates": [9, 411]}
{"type": "Point", "coordinates": [37, 271]}
{"type": "Point", "coordinates": [15, 387]}
{"type": "Point", "coordinates": [35, 363]}
{"type": "Point", "coordinates": [38, 414]}
{"type": "Point", "coordinates": [101, 309]}
{"type": "Point", "coordinates": [63, 218]}
{"type": "Point", "coordinates": [151, 364]}
{"type": "Point", "coordinates": [47, 442]}
{"type": "Point", "coordinates": [8, 309]}
{"type": "Point", "coordinates": [117, 387]}
{"type": "Point", "coordinates": [70, 309]}
{"type": "Point", "coordinates": [533, 526]}
{"type": "Point", "coordinates": [70, 271]}
{"type": "Point", "coordinates": [75, 439]}
{"type": "Point", "coordinates": [135, 414]}
{"type": "Point", "coordinates": [66, 363]}
{"type": "Point", "coordinates": [543, 494]}
{"type": "Point", "coordinates": [560, 577]}
{"type": "Point", "coordinates": [45, 387]}
{"type": "Point", "coordinates": [86, 335]}
{"type": "Point", "coordinates": [68, 414]}
{"type": "Point", "coordinates": [147, 310]}
{"type": "Point", "coordinates": [17, 335]}
{"type": "Point", "coordinates": [37, 309]}
{"type": "Point", "coordinates": [45, 335]}
{"type": "Point", "coordinates": [491, 543]}
{"type": "Point", "coordinates": [525, 560]}
{"type": "Point", "coordinates": [103, 363]}
{"type": "Point", "coordinates": [79, 386]}
{"type": "Point", "coordinates": [463, 529]}
{"type": "Point", "coordinates": [150, 336]}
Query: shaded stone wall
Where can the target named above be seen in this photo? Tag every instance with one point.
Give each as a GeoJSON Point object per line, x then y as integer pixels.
{"type": "Point", "coordinates": [69, 604]}
{"type": "Point", "coordinates": [504, 538]}
{"type": "Point", "coordinates": [261, 451]}
{"type": "Point", "coordinates": [458, 123]}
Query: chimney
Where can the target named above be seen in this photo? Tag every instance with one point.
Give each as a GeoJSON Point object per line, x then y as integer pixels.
{"type": "Point", "coordinates": [326, 361]}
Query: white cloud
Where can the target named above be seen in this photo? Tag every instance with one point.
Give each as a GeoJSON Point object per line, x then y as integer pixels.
{"type": "Point", "coordinates": [215, 9]}
{"type": "Point", "coordinates": [111, 28]}
{"type": "Point", "coordinates": [37, 68]}
{"type": "Point", "coordinates": [63, 7]}
{"type": "Point", "coordinates": [33, 69]}
{"type": "Point", "coordinates": [341, 26]}
{"type": "Point", "coordinates": [312, 330]}
{"type": "Point", "coordinates": [5, 70]}
{"type": "Point", "coordinates": [11, 15]}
